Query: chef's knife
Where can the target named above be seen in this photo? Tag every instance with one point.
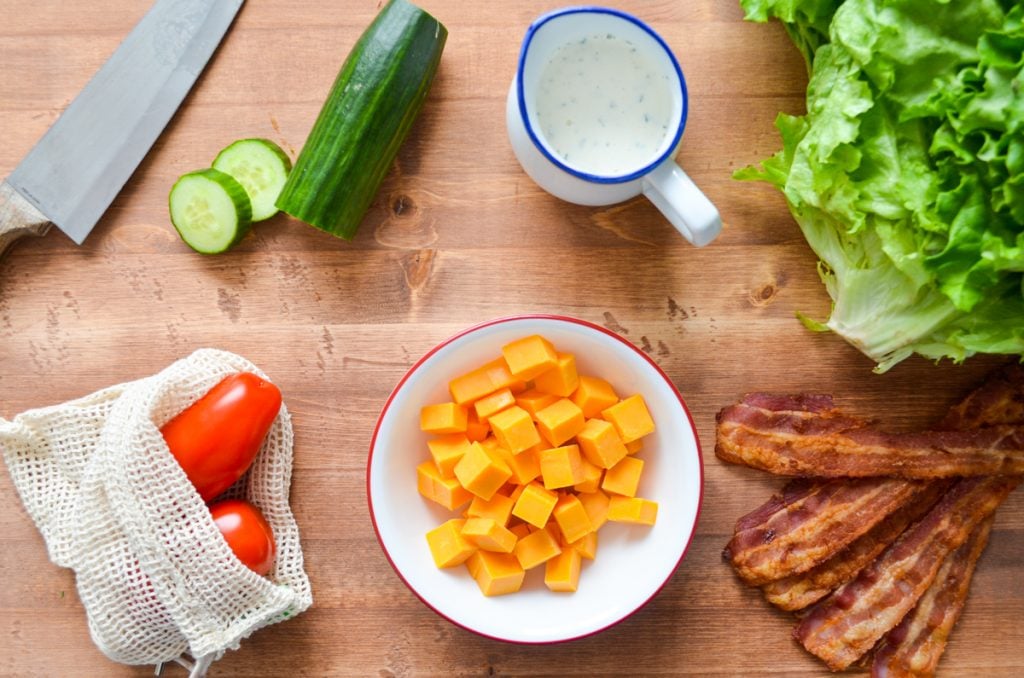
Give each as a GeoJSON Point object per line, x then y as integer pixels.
{"type": "Point", "coordinates": [74, 172]}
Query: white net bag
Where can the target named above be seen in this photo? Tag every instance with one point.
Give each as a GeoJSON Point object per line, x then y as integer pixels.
{"type": "Point", "coordinates": [155, 576]}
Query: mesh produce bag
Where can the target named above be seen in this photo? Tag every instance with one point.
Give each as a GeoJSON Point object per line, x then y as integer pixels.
{"type": "Point", "coordinates": [156, 578]}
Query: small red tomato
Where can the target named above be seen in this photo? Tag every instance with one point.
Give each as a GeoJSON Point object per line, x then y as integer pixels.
{"type": "Point", "coordinates": [216, 439]}
{"type": "Point", "coordinates": [247, 533]}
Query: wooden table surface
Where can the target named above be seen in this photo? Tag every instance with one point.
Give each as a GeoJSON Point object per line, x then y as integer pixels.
{"type": "Point", "coordinates": [458, 234]}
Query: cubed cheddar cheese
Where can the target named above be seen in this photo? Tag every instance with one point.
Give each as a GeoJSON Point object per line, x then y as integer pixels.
{"type": "Point", "coordinates": [493, 403]}
{"type": "Point", "coordinates": [445, 491]}
{"type": "Point", "coordinates": [561, 466]}
{"type": "Point", "coordinates": [525, 466]}
{"type": "Point", "coordinates": [476, 430]}
{"type": "Point", "coordinates": [592, 475]}
{"type": "Point", "coordinates": [571, 517]}
{"type": "Point", "coordinates": [447, 545]}
{"type": "Point", "coordinates": [496, 573]}
{"type": "Point", "coordinates": [514, 429]}
{"type": "Point", "coordinates": [596, 504]}
{"type": "Point", "coordinates": [630, 418]}
{"type": "Point", "coordinates": [520, 530]}
{"type": "Point", "coordinates": [529, 356]}
{"type": "Point", "coordinates": [487, 534]}
{"type": "Point", "coordinates": [593, 396]}
{"type": "Point", "coordinates": [443, 418]}
{"type": "Point", "coordinates": [600, 443]}
{"type": "Point", "coordinates": [482, 472]}
{"type": "Point", "coordinates": [586, 545]}
{"type": "Point", "coordinates": [535, 504]}
{"type": "Point", "coordinates": [482, 381]}
{"type": "Point", "coordinates": [533, 401]}
{"type": "Point", "coordinates": [536, 548]}
{"type": "Point", "coordinates": [560, 421]}
{"type": "Point", "coordinates": [633, 510]}
{"type": "Point", "coordinates": [498, 508]}
{"type": "Point", "coordinates": [624, 477]}
{"type": "Point", "coordinates": [561, 380]}
{"type": "Point", "coordinates": [446, 452]}
{"type": "Point", "coordinates": [562, 573]}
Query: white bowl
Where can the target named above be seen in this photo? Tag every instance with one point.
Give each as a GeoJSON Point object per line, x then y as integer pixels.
{"type": "Point", "coordinates": [633, 561]}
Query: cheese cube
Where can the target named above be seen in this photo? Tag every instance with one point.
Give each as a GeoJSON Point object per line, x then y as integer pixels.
{"type": "Point", "coordinates": [529, 356]}
{"type": "Point", "coordinates": [561, 380]}
{"type": "Point", "coordinates": [533, 401]}
{"type": "Point", "coordinates": [630, 418]}
{"type": "Point", "coordinates": [446, 452]}
{"type": "Point", "coordinates": [487, 534]}
{"type": "Point", "coordinates": [600, 443]}
{"type": "Point", "coordinates": [535, 504]}
{"type": "Point", "coordinates": [594, 395]}
{"type": "Point", "coordinates": [447, 545]}
{"type": "Point", "coordinates": [560, 421]}
{"type": "Point", "coordinates": [536, 548]}
{"type": "Point", "coordinates": [496, 573]}
{"type": "Point", "coordinates": [624, 477]}
{"type": "Point", "coordinates": [476, 430]}
{"type": "Point", "coordinates": [514, 429]}
{"type": "Point", "coordinates": [525, 466]}
{"type": "Point", "coordinates": [445, 491]}
{"type": "Point", "coordinates": [586, 545]}
{"type": "Point", "coordinates": [561, 466]}
{"type": "Point", "coordinates": [481, 471]}
{"type": "Point", "coordinates": [520, 530]}
{"type": "Point", "coordinates": [632, 510]}
{"type": "Point", "coordinates": [443, 418]}
{"type": "Point", "coordinates": [498, 508]}
{"type": "Point", "coordinates": [592, 475]}
{"type": "Point", "coordinates": [596, 504]}
{"type": "Point", "coordinates": [482, 381]}
{"type": "Point", "coordinates": [572, 517]}
{"type": "Point", "coordinates": [562, 573]}
{"type": "Point", "coordinates": [493, 403]}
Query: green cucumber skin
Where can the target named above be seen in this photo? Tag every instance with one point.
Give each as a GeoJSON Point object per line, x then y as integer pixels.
{"type": "Point", "coordinates": [364, 121]}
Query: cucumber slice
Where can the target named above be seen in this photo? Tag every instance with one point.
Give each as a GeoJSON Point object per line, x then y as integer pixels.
{"type": "Point", "coordinates": [210, 210]}
{"type": "Point", "coordinates": [261, 167]}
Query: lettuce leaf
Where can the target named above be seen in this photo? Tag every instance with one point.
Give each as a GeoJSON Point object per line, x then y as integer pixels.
{"type": "Point", "coordinates": [906, 175]}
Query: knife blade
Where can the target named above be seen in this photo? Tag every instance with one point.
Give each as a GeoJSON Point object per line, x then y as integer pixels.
{"type": "Point", "coordinates": [82, 162]}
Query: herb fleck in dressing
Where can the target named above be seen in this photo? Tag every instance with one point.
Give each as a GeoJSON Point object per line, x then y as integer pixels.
{"type": "Point", "coordinates": [603, 106]}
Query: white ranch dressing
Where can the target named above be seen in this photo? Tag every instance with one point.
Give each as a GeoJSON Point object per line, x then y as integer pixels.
{"type": "Point", "coordinates": [603, 106]}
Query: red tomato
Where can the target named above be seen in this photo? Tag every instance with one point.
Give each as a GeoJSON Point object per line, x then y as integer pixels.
{"type": "Point", "coordinates": [247, 533]}
{"type": "Point", "coordinates": [216, 439]}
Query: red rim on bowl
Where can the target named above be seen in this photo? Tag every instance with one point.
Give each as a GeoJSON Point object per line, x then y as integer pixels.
{"type": "Point", "coordinates": [500, 321]}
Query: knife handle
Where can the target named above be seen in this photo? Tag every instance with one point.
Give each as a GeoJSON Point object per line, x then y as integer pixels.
{"type": "Point", "coordinates": [18, 217]}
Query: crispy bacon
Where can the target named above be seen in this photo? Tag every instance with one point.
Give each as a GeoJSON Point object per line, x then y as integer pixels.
{"type": "Point", "coordinates": [798, 441]}
{"type": "Point", "coordinates": [913, 648]}
{"type": "Point", "coordinates": [809, 522]}
{"type": "Point", "coordinates": [796, 592]}
{"type": "Point", "coordinates": [1000, 400]}
{"type": "Point", "coordinates": [844, 626]}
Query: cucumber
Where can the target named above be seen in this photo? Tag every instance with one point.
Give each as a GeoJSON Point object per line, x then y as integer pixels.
{"type": "Point", "coordinates": [366, 117]}
{"type": "Point", "coordinates": [210, 210]}
{"type": "Point", "coordinates": [261, 167]}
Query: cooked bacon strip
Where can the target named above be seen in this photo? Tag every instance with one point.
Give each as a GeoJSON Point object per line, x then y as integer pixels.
{"type": "Point", "coordinates": [1000, 400]}
{"type": "Point", "coordinates": [789, 442]}
{"type": "Point", "coordinates": [800, 590]}
{"type": "Point", "coordinates": [809, 522]}
{"type": "Point", "coordinates": [844, 626]}
{"type": "Point", "coordinates": [913, 648]}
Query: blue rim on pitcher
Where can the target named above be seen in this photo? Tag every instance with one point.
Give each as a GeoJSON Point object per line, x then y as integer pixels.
{"type": "Point", "coordinates": [521, 96]}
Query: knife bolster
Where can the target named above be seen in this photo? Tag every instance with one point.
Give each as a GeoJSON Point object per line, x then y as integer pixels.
{"type": "Point", "coordinates": [18, 217]}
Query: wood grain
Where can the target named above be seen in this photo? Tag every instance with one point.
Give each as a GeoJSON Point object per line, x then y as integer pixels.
{"type": "Point", "coordinates": [457, 234]}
